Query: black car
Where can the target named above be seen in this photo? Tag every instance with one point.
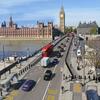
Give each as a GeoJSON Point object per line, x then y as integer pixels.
{"type": "Point", "coordinates": [55, 61]}
{"type": "Point", "coordinates": [48, 75]}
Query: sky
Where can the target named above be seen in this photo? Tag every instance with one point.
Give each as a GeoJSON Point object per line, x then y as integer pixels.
{"type": "Point", "coordinates": [28, 12]}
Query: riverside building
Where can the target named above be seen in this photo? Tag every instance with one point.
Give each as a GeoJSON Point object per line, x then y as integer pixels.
{"type": "Point", "coordinates": [12, 30]}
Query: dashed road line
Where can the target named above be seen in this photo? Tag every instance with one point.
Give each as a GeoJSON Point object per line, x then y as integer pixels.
{"type": "Point", "coordinates": [48, 85]}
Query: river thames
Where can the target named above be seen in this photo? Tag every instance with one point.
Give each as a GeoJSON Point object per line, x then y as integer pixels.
{"type": "Point", "coordinates": [20, 47]}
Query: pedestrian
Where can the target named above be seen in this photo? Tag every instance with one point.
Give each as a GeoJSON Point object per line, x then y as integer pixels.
{"type": "Point", "coordinates": [66, 77]}
{"type": "Point", "coordinates": [1, 93]}
{"type": "Point", "coordinates": [62, 88]}
{"type": "Point", "coordinates": [85, 77]}
{"type": "Point", "coordinates": [75, 76]}
{"type": "Point", "coordinates": [63, 76]}
{"type": "Point", "coordinates": [80, 77]}
{"type": "Point", "coordinates": [89, 77]}
{"type": "Point", "coordinates": [94, 77]}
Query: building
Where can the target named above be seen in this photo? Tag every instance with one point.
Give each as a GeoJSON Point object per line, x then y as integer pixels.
{"type": "Point", "coordinates": [40, 31]}
{"type": "Point", "coordinates": [85, 28]}
{"type": "Point", "coordinates": [62, 20]}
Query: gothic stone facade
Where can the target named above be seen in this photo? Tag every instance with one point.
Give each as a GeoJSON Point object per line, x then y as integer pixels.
{"type": "Point", "coordinates": [85, 28]}
{"type": "Point", "coordinates": [40, 31]}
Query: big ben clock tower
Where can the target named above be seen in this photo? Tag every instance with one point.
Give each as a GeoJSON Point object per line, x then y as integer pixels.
{"type": "Point", "coordinates": [62, 20]}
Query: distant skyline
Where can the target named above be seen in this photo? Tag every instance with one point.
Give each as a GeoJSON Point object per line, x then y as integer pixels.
{"type": "Point", "coordinates": [28, 12]}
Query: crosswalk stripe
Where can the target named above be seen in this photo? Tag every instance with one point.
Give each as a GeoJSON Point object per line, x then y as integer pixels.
{"type": "Point", "coordinates": [50, 97]}
{"type": "Point", "coordinates": [50, 91]}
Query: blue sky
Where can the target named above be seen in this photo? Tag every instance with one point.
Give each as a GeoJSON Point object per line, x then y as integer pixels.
{"type": "Point", "coordinates": [27, 12]}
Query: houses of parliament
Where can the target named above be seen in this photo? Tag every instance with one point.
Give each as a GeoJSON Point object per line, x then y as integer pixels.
{"type": "Point", "coordinates": [40, 31]}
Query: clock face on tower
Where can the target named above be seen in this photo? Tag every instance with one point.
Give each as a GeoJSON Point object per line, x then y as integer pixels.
{"type": "Point", "coordinates": [61, 15]}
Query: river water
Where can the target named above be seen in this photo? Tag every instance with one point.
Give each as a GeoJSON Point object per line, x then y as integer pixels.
{"type": "Point", "coordinates": [20, 47]}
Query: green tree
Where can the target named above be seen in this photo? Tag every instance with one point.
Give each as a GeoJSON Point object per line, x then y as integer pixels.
{"type": "Point", "coordinates": [69, 29]}
{"type": "Point", "coordinates": [93, 31]}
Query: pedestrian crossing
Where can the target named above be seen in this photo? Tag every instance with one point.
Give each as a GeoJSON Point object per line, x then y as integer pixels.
{"type": "Point", "coordinates": [51, 94]}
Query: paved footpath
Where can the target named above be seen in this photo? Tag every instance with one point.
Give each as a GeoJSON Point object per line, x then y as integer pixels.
{"type": "Point", "coordinates": [68, 93]}
{"type": "Point", "coordinates": [90, 84]}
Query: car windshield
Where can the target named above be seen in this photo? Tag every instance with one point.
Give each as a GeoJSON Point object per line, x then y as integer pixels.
{"type": "Point", "coordinates": [48, 71]}
{"type": "Point", "coordinates": [26, 85]}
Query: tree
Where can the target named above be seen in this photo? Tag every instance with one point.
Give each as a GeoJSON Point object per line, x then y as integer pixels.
{"type": "Point", "coordinates": [93, 58]}
{"type": "Point", "coordinates": [93, 31]}
{"type": "Point", "coordinates": [70, 29]}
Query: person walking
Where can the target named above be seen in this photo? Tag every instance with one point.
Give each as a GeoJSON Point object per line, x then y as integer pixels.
{"type": "Point", "coordinates": [62, 88]}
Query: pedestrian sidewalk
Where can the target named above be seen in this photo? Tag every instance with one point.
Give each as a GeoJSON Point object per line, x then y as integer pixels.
{"type": "Point", "coordinates": [85, 68]}
{"type": "Point", "coordinates": [66, 94]}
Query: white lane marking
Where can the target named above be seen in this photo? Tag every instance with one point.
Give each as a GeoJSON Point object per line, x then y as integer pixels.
{"type": "Point", "coordinates": [38, 80]}
{"type": "Point", "coordinates": [48, 85]}
{"type": "Point", "coordinates": [46, 91]}
{"type": "Point", "coordinates": [55, 68]}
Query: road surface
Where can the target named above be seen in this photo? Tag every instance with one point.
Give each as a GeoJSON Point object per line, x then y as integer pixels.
{"type": "Point", "coordinates": [43, 90]}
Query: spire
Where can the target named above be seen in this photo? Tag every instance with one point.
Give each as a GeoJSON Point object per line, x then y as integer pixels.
{"type": "Point", "coordinates": [10, 21]}
{"type": "Point", "coordinates": [62, 8]}
{"type": "Point", "coordinates": [10, 18]}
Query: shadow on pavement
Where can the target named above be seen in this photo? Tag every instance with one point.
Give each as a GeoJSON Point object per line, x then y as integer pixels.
{"type": "Point", "coordinates": [18, 85]}
{"type": "Point", "coordinates": [54, 74]}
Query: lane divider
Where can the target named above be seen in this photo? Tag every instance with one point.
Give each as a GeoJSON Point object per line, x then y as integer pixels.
{"type": "Point", "coordinates": [48, 85]}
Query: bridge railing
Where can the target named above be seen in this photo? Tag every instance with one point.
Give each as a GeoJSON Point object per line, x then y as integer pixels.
{"type": "Point", "coordinates": [8, 68]}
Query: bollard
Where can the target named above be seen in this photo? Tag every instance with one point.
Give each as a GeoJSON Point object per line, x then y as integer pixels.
{"type": "Point", "coordinates": [89, 77]}
{"type": "Point", "coordinates": [10, 71]}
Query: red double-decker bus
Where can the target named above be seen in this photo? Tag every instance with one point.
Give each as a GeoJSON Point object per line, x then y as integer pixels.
{"type": "Point", "coordinates": [47, 50]}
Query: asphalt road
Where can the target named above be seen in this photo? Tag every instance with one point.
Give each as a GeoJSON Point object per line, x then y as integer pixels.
{"type": "Point", "coordinates": [43, 90]}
